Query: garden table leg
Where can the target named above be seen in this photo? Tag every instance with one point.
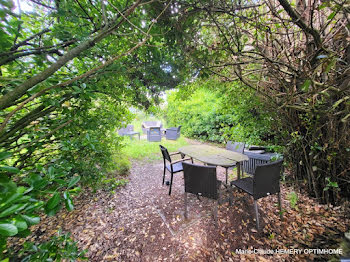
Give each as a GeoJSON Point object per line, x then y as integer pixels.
{"type": "Point", "coordinates": [239, 170]}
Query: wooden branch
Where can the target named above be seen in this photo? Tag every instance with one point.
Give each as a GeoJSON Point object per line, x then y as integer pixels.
{"type": "Point", "coordinates": [42, 4]}
{"type": "Point", "coordinates": [46, 135]}
{"type": "Point", "coordinates": [12, 58]}
{"type": "Point", "coordinates": [24, 42]}
{"type": "Point", "coordinates": [299, 22]}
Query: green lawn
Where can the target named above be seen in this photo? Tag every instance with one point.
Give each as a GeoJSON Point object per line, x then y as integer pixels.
{"type": "Point", "coordinates": [139, 149]}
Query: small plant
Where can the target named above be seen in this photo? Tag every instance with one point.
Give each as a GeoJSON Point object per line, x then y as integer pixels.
{"type": "Point", "coordinates": [293, 200]}
{"type": "Point", "coordinates": [330, 184]}
{"type": "Point", "coordinates": [123, 164]}
{"type": "Point", "coordinates": [59, 248]}
{"type": "Point", "coordinates": [272, 236]}
{"type": "Point", "coordinates": [110, 184]}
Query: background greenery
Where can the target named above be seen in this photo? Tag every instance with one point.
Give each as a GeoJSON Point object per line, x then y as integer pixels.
{"type": "Point", "coordinates": [211, 110]}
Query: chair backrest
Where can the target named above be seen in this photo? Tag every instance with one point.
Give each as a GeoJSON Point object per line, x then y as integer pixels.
{"type": "Point", "coordinates": [130, 128]}
{"type": "Point", "coordinates": [122, 131]}
{"type": "Point", "coordinates": [236, 146]}
{"type": "Point", "coordinates": [178, 130]}
{"type": "Point", "coordinates": [165, 153]}
{"type": "Point", "coordinates": [154, 131]}
{"type": "Point", "coordinates": [148, 124]}
{"type": "Point", "coordinates": [200, 180]}
{"type": "Point", "coordinates": [267, 179]}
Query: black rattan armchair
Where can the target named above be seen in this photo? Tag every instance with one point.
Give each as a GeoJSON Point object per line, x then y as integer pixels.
{"type": "Point", "coordinates": [201, 181]}
{"type": "Point", "coordinates": [172, 166]}
{"type": "Point", "coordinates": [266, 181]}
{"type": "Point", "coordinates": [235, 147]}
{"type": "Point", "coordinates": [172, 133]}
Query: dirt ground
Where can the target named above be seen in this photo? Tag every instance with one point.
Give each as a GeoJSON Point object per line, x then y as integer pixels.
{"type": "Point", "coordinates": [141, 222]}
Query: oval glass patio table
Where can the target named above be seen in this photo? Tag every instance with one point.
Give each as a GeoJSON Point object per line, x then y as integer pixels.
{"type": "Point", "coordinates": [215, 156]}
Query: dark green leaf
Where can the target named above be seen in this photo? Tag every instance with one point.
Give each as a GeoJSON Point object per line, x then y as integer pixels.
{"type": "Point", "coordinates": [31, 219]}
{"type": "Point", "coordinates": [53, 202]}
{"type": "Point", "coordinates": [8, 230]}
{"type": "Point", "coordinates": [331, 16]}
{"type": "Point", "coordinates": [73, 181]}
{"type": "Point", "coordinates": [4, 179]}
{"type": "Point", "coordinates": [4, 155]}
{"type": "Point", "coordinates": [24, 233]}
{"type": "Point", "coordinates": [12, 209]}
{"type": "Point", "coordinates": [9, 169]}
{"type": "Point", "coordinates": [69, 203]}
{"type": "Point", "coordinates": [20, 223]}
{"type": "Point", "coordinates": [306, 85]}
{"type": "Point", "coordinates": [53, 211]}
{"type": "Point", "coordinates": [11, 198]}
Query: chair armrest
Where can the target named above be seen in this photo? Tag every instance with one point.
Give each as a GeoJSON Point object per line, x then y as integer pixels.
{"type": "Point", "coordinates": [180, 160]}
{"type": "Point", "coordinates": [174, 153]}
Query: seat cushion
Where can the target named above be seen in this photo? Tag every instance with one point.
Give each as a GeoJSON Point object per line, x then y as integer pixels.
{"type": "Point", "coordinates": [177, 167]}
{"type": "Point", "coordinates": [246, 184]}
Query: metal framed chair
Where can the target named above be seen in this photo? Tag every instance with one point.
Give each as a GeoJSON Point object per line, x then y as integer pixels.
{"type": "Point", "coordinates": [266, 181]}
{"type": "Point", "coordinates": [172, 166]}
{"type": "Point", "coordinates": [201, 181]}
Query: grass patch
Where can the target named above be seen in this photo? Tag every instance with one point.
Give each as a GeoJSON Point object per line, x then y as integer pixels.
{"type": "Point", "coordinates": [140, 149]}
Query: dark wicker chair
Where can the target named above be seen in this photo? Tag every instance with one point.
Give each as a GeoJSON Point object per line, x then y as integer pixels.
{"type": "Point", "coordinates": [201, 181]}
{"type": "Point", "coordinates": [172, 166]}
{"type": "Point", "coordinates": [147, 124]}
{"type": "Point", "coordinates": [172, 133]}
{"type": "Point", "coordinates": [258, 159]}
{"type": "Point", "coordinates": [235, 147]}
{"type": "Point", "coordinates": [154, 134]}
{"type": "Point", "coordinates": [266, 181]}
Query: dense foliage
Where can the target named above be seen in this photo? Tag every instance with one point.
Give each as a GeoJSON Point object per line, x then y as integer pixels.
{"type": "Point", "coordinates": [216, 111]}
{"type": "Point", "coordinates": [197, 113]}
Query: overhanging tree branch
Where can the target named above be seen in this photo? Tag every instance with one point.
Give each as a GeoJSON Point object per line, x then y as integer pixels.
{"type": "Point", "coordinates": [299, 22]}
{"type": "Point", "coordinates": [8, 98]}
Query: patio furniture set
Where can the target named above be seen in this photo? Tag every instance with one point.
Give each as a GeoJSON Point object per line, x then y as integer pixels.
{"type": "Point", "coordinates": [262, 181]}
{"type": "Point", "coordinates": [154, 131]}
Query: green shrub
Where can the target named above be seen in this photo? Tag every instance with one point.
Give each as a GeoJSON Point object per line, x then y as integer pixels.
{"type": "Point", "coordinates": [122, 164]}
{"type": "Point", "coordinates": [197, 113]}
{"type": "Point", "coordinates": [58, 248]}
{"type": "Point", "coordinates": [214, 111]}
{"type": "Point", "coordinates": [110, 184]}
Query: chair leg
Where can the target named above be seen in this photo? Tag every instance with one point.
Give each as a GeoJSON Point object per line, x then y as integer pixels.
{"type": "Point", "coordinates": [280, 204]}
{"type": "Point", "coordinates": [185, 195]}
{"type": "Point", "coordinates": [215, 213]}
{"type": "Point", "coordinates": [171, 183]}
{"type": "Point", "coordinates": [163, 176]}
{"type": "Point", "coordinates": [256, 214]}
{"type": "Point", "coordinates": [230, 195]}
